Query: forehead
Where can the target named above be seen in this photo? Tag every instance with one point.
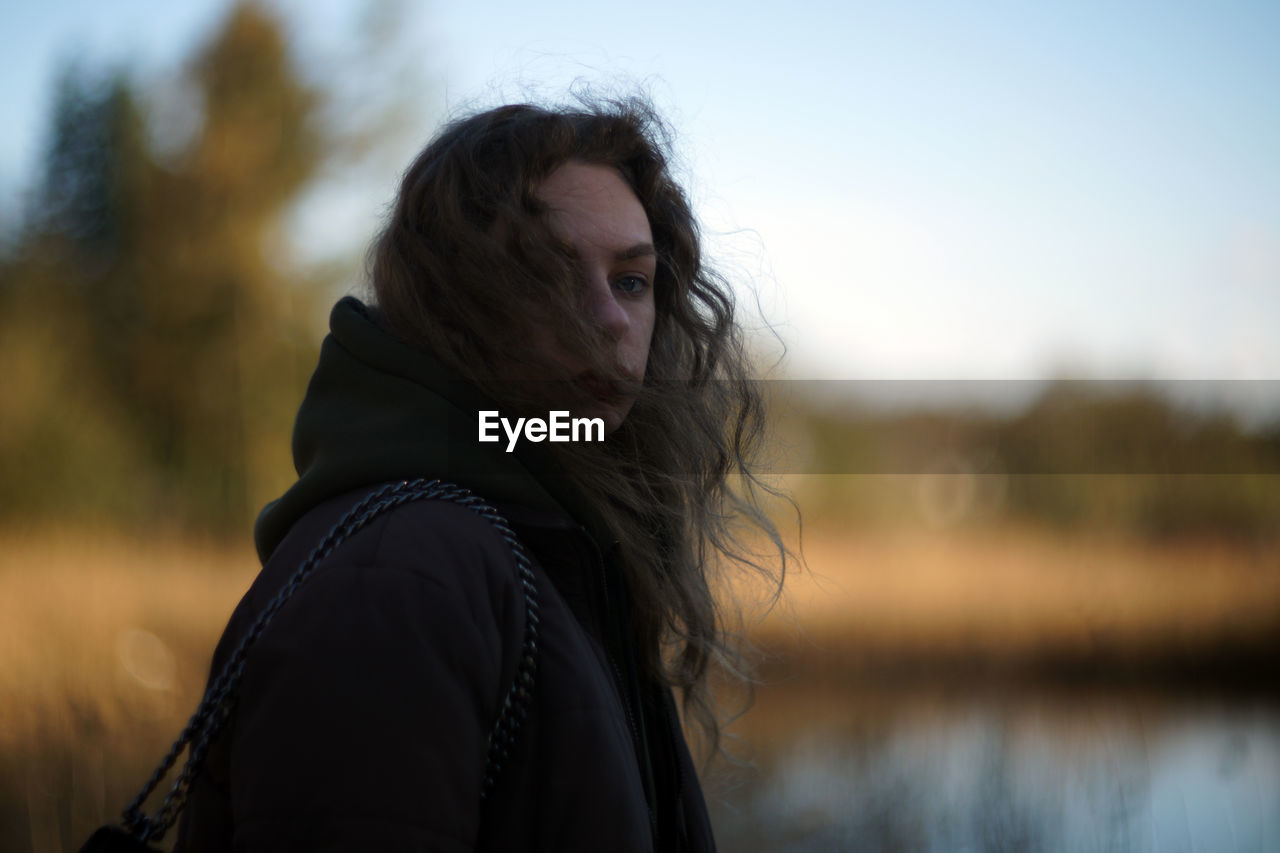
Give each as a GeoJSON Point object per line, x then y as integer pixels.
{"type": "Point", "coordinates": [591, 204]}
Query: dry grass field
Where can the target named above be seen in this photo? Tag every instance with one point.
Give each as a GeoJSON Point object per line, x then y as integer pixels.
{"type": "Point", "coordinates": [105, 640]}
{"type": "Point", "coordinates": [104, 647]}
{"type": "Point", "coordinates": [1019, 591]}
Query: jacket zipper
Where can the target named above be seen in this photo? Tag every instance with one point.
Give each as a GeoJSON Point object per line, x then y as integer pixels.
{"type": "Point", "coordinates": [648, 783]}
{"type": "Point", "coordinates": [673, 722]}
{"type": "Point", "coordinates": [635, 733]}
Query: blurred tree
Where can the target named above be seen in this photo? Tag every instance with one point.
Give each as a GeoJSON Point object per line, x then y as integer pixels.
{"type": "Point", "coordinates": [66, 441]}
{"type": "Point", "coordinates": [212, 334]}
{"type": "Point", "coordinates": [1113, 457]}
{"type": "Point", "coordinates": [149, 299]}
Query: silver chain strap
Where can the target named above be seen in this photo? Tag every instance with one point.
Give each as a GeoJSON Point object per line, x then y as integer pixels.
{"type": "Point", "coordinates": [219, 698]}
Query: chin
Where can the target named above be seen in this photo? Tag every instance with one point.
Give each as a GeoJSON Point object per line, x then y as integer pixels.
{"type": "Point", "coordinates": [612, 412]}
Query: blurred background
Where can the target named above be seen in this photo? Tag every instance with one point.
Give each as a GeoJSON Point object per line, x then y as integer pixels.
{"type": "Point", "coordinates": [1013, 275]}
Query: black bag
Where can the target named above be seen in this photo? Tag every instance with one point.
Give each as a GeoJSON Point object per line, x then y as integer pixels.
{"type": "Point", "coordinates": [113, 839]}
{"type": "Point", "coordinates": [139, 828]}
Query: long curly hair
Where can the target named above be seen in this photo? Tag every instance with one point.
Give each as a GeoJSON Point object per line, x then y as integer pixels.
{"type": "Point", "coordinates": [467, 264]}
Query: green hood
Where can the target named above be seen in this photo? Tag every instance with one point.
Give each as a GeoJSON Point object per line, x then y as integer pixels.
{"type": "Point", "coordinates": [378, 410]}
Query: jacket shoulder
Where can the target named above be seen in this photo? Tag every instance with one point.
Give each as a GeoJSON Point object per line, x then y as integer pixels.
{"type": "Point", "coordinates": [436, 541]}
{"type": "Point", "coordinates": [409, 629]}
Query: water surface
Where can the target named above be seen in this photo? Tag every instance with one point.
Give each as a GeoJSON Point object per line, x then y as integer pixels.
{"type": "Point", "coordinates": [1049, 772]}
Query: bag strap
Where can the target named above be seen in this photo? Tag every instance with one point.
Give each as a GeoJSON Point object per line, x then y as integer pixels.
{"type": "Point", "coordinates": [215, 708]}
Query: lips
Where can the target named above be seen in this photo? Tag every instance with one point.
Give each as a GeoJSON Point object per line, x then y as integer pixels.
{"type": "Point", "coordinates": [599, 387]}
{"type": "Point", "coordinates": [608, 390]}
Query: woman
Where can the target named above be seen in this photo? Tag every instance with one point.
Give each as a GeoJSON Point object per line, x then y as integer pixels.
{"type": "Point", "coordinates": [536, 261]}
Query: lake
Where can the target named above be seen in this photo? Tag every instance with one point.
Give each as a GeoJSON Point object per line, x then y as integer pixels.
{"type": "Point", "coordinates": [947, 770]}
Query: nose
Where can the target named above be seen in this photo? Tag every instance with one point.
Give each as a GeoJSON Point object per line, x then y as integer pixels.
{"type": "Point", "coordinates": [603, 308]}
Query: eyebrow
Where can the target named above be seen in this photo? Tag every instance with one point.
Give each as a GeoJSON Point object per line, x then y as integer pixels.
{"type": "Point", "coordinates": [639, 250]}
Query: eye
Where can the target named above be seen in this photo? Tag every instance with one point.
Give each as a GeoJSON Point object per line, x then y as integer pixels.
{"type": "Point", "coordinates": [632, 284]}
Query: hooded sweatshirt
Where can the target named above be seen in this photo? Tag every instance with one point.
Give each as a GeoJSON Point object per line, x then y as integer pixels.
{"type": "Point", "coordinates": [362, 718]}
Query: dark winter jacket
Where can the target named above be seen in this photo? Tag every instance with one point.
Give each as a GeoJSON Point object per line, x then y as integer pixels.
{"type": "Point", "coordinates": [362, 719]}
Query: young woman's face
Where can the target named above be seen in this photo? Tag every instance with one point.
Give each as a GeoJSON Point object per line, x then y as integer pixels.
{"type": "Point", "coordinates": [593, 210]}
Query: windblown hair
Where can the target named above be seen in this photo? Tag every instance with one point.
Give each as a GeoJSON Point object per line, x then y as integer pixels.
{"type": "Point", "coordinates": [468, 265]}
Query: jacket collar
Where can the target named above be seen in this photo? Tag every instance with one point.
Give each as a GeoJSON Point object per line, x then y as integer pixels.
{"type": "Point", "coordinates": [377, 410]}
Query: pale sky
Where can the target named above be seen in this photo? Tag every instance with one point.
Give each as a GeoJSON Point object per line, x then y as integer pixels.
{"type": "Point", "coordinates": [922, 190]}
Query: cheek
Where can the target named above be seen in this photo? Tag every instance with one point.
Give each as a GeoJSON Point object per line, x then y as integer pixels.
{"type": "Point", "coordinates": [642, 327]}
{"type": "Point", "coordinates": [549, 358]}
{"type": "Point", "coordinates": [543, 344]}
